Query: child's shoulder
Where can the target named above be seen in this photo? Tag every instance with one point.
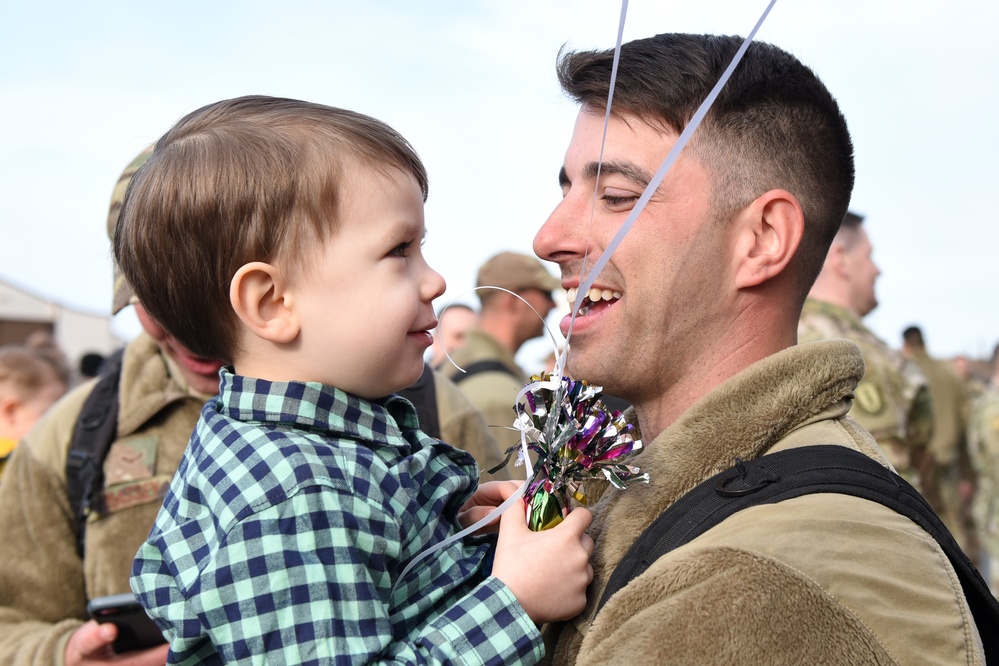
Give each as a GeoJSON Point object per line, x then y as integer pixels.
{"type": "Point", "coordinates": [284, 458]}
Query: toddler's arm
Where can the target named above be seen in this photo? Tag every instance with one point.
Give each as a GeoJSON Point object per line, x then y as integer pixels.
{"type": "Point", "coordinates": [311, 577]}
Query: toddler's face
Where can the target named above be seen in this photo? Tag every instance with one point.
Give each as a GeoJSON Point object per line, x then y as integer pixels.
{"type": "Point", "coordinates": [366, 303]}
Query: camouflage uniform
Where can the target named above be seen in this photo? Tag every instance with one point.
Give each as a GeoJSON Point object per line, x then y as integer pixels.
{"type": "Point", "coordinates": [983, 447]}
{"type": "Point", "coordinates": [892, 401]}
{"type": "Point", "coordinates": [947, 464]}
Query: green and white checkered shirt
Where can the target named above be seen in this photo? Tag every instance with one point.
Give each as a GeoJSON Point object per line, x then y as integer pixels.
{"type": "Point", "coordinates": [294, 511]}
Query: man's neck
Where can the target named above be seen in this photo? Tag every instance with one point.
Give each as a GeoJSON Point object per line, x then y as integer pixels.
{"type": "Point", "coordinates": [704, 374]}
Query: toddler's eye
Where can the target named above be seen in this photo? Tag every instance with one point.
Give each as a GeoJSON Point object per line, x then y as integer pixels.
{"type": "Point", "coordinates": [401, 250]}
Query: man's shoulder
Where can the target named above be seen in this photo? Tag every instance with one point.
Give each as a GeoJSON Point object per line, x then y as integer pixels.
{"type": "Point", "coordinates": [821, 320]}
{"type": "Point", "coordinates": [876, 547]}
{"type": "Point", "coordinates": [49, 440]}
{"type": "Point", "coordinates": [480, 347]}
{"type": "Point", "coordinates": [985, 411]}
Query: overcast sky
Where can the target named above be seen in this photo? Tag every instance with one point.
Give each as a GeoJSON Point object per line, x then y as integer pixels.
{"type": "Point", "coordinates": [85, 86]}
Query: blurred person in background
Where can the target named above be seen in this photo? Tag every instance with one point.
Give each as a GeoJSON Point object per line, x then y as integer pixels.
{"type": "Point", "coordinates": [30, 382]}
{"type": "Point", "coordinates": [452, 329]}
{"type": "Point", "coordinates": [892, 401]}
{"type": "Point", "coordinates": [487, 372]}
{"type": "Point", "coordinates": [57, 555]}
{"type": "Point", "coordinates": [947, 474]}
{"type": "Point", "coordinates": [983, 448]}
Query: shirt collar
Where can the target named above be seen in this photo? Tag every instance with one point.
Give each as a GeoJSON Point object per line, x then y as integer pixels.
{"type": "Point", "coordinates": [314, 406]}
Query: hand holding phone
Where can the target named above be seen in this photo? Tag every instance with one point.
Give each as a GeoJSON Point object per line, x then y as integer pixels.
{"type": "Point", "coordinates": [136, 631]}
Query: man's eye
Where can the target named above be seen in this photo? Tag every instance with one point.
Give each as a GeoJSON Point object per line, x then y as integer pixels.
{"type": "Point", "coordinates": [619, 200]}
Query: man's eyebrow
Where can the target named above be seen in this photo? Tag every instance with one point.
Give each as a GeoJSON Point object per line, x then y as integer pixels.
{"type": "Point", "coordinates": [629, 170]}
{"type": "Point", "coordinates": [636, 175]}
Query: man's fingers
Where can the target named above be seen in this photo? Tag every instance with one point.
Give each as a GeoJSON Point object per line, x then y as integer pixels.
{"type": "Point", "coordinates": [91, 638]}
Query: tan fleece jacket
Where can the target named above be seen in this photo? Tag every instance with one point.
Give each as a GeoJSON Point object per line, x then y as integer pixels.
{"type": "Point", "coordinates": [44, 585]}
{"type": "Point", "coordinates": [821, 579]}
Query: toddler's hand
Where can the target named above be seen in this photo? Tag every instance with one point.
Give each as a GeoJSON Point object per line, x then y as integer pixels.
{"type": "Point", "coordinates": [487, 497]}
{"type": "Point", "coordinates": [547, 571]}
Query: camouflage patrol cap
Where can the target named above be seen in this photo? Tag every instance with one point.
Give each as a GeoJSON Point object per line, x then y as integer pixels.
{"type": "Point", "coordinates": [123, 293]}
{"type": "Point", "coordinates": [516, 271]}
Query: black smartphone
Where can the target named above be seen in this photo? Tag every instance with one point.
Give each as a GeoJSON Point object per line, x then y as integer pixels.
{"type": "Point", "coordinates": [136, 631]}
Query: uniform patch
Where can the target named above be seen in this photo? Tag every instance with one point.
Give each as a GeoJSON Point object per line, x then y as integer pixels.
{"type": "Point", "coordinates": [130, 460]}
{"type": "Point", "coordinates": [125, 495]}
{"type": "Point", "coordinates": [869, 398]}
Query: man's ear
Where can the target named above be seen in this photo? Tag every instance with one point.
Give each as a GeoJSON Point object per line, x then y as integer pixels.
{"type": "Point", "coordinates": [260, 296]}
{"type": "Point", "coordinates": [769, 233]}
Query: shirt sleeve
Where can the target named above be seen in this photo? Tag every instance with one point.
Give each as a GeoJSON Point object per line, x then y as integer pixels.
{"type": "Point", "coordinates": [308, 579]}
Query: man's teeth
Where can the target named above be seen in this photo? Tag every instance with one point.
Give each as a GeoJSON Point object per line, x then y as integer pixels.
{"type": "Point", "coordinates": [593, 295]}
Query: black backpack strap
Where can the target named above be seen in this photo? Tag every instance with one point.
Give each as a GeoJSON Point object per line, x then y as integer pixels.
{"type": "Point", "coordinates": [792, 473]}
{"type": "Point", "coordinates": [93, 434]}
{"type": "Point", "coordinates": [481, 366]}
{"type": "Point", "coordinates": [423, 395]}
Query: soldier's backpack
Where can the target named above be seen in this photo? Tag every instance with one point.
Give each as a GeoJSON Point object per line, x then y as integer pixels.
{"type": "Point", "coordinates": [93, 434]}
{"type": "Point", "coordinates": [792, 473]}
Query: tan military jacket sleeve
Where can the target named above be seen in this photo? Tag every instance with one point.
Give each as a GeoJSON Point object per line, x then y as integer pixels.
{"type": "Point", "coordinates": [41, 579]}
{"type": "Point", "coordinates": [44, 585]}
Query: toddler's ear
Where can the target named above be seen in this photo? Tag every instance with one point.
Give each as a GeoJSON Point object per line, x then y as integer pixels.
{"type": "Point", "coordinates": [259, 295]}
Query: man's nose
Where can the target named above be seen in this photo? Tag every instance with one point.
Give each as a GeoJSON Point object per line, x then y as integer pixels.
{"type": "Point", "coordinates": [559, 237]}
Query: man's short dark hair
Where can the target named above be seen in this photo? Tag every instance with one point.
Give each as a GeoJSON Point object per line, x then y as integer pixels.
{"type": "Point", "coordinates": [774, 125]}
{"type": "Point", "coordinates": [913, 336]}
{"type": "Point", "coordinates": [849, 231]}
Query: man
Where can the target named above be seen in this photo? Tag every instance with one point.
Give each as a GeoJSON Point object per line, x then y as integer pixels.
{"type": "Point", "coordinates": [983, 445]}
{"type": "Point", "coordinates": [892, 401]}
{"type": "Point", "coordinates": [44, 582]}
{"type": "Point", "coordinates": [491, 377]}
{"type": "Point", "coordinates": [699, 335]}
{"type": "Point", "coordinates": [452, 329]}
{"type": "Point", "coordinates": [947, 463]}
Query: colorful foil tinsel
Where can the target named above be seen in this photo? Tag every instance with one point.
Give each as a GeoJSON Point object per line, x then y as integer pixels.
{"type": "Point", "coordinates": [576, 438]}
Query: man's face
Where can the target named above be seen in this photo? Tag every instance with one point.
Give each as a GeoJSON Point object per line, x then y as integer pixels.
{"type": "Point", "coordinates": [661, 302]}
{"type": "Point", "coordinates": [454, 326]}
{"type": "Point", "coordinates": [531, 324]}
{"type": "Point", "coordinates": [862, 272]}
{"type": "Point", "coordinates": [202, 374]}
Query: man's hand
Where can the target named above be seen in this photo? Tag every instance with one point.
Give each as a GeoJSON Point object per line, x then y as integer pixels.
{"type": "Point", "coordinates": [91, 645]}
